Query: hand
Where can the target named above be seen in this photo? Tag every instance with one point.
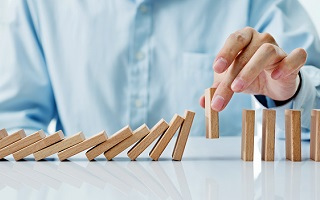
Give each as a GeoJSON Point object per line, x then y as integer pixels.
{"type": "Point", "coordinates": [253, 63]}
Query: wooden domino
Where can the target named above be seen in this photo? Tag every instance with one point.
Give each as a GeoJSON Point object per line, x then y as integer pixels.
{"type": "Point", "coordinates": [315, 135]}
{"type": "Point", "coordinates": [183, 136]}
{"type": "Point", "coordinates": [247, 140]}
{"type": "Point", "coordinates": [165, 138]}
{"type": "Point", "coordinates": [86, 144]}
{"type": "Point", "coordinates": [3, 133]}
{"type": "Point", "coordinates": [12, 138]}
{"type": "Point", "coordinates": [155, 132]}
{"type": "Point", "coordinates": [20, 144]}
{"type": "Point", "coordinates": [60, 146]}
{"type": "Point", "coordinates": [47, 141]}
{"type": "Point", "coordinates": [268, 134]}
{"type": "Point", "coordinates": [293, 134]}
{"type": "Point", "coordinates": [109, 143]}
{"type": "Point", "coordinates": [212, 117]}
{"type": "Point", "coordinates": [138, 134]}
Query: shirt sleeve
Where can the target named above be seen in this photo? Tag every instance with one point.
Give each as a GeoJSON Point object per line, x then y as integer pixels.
{"type": "Point", "coordinates": [291, 27]}
{"type": "Point", "coordinates": [26, 97]}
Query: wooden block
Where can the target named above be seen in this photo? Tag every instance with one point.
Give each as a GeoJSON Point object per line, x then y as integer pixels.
{"type": "Point", "coordinates": [293, 134]}
{"type": "Point", "coordinates": [165, 138]}
{"type": "Point", "coordinates": [47, 141]}
{"type": "Point", "coordinates": [3, 133]}
{"type": "Point", "coordinates": [138, 134]}
{"type": "Point", "coordinates": [315, 135]}
{"type": "Point", "coordinates": [247, 140]}
{"type": "Point", "coordinates": [109, 143]}
{"type": "Point", "coordinates": [60, 146]}
{"type": "Point", "coordinates": [20, 144]}
{"type": "Point", "coordinates": [86, 144]}
{"type": "Point", "coordinates": [12, 138]}
{"type": "Point", "coordinates": [155, 132]}
{"type": "Point", "coordinates": [212, 117]}
{"type": "Point", "coordinates": [183, 136]}
{"type": "Point", "coordinates": [268, 134]}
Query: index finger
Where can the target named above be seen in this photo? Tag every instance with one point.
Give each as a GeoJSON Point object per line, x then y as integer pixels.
{"type": "Point", "coordinates": [232, 47]}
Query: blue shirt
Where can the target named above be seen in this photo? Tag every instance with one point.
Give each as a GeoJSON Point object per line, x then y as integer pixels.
{"type": "Point", "coordinates": [101, 65]}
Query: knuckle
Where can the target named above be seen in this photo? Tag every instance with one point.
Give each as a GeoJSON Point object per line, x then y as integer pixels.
{"type": "Point", "coordinates": [238, 37]}
{"type": "Point", "coordinates": [249, 29]}
{"type": "Point", "coordinates": [268, 48]}
{"type": "Point", "coordinates": [302, 53]}
{"type": "Point", "coordinates": [267, 37]}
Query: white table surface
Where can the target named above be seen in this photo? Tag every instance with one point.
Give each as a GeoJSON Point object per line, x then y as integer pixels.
{"type": "Point", "coordinates": [210, 169]}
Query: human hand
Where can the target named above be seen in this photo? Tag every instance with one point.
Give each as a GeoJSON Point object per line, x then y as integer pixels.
{"type": "Point", "coordinates": [253, 63]}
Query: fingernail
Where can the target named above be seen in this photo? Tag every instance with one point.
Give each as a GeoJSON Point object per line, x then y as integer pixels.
{"type": "Point", "coordinates": [220, 65]}
{"type": "Point", "coordinates": [277, 74]}
{"type": "Point", "coordinates": [237, 85]}
{"type": "Point", "coordinates": [217, 103]}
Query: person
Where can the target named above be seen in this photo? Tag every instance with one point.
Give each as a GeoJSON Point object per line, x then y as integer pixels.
{"type": "Point", "coordinates": [96, 66]}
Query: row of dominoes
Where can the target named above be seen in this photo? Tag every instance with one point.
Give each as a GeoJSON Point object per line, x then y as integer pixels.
{"type": "Point", "coordinates": [292, 132]}
{"type": "Point", "coordinates": [42, 146]}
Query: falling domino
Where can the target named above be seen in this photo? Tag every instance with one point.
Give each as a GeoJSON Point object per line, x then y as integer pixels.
{"type": "Point", "coordinates": [212, 117]}
{"type": "Point", "coordinates": [12, 138]}
{"type": "Point", "coordinates": [109, 143]}
{"type": "Point", "coordinates": [183, 136]}
{"type": "Point", "coordinates": [20, 144]}
{"type": "Point", "coordinates": [268, 135]}
{"type": "Point", "coordinates": [315, 135]}
{"type": "Point", "coordinates": [41, 144]}
{"type": "Point", "coordinates": [155, 132]}
{"type": "Point", "coordinates": [86, 144]}
{"type": "Point", "coordinates": [3, 133]}
{"type": "Point", "coordinates": [247, 140]}
{"type": "Point", "coordinates": [293, 134]}
{"type": "Point", "coordinates": [60, 146]}
{"type": "Point", "coordinates": [138, 134]}
{"type": "Point", "coordinates": [164, 140]}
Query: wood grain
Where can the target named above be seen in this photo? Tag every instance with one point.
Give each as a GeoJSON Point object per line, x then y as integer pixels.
{"type": "Point", "coordinates": [138, 134]}
{"type": "Point", "coordinates": [3, 133]}
{"type": "Point", "coordinates": [165, 138]}
{"type": "Point", "coordinates": [212, 117]}
{"type": "Point", "coordinates": [115, 139]}
{"type": "Point", "coordinates": [183, 136]}
{"type": "Point", "coordinates": [47, 141]}
{"type": "Point", "coordinates": [155, 132]}
{"type": "Point", "coordinates": [247, 140]}
{"type": "Point", "coordinates": [86, 144]}
{"type": "Point", "coordinates": [315, 135]}
{"type": "Point", "coordinates": [293, 135]}
{"type": "Point", "coordinates": [20, 144]}
{"type": "Point", "coordinates": [60, 146]}
{"type": "Point", "coordinates": [12, 138]}
{"type": "Point", "coordinates": [268, 134]}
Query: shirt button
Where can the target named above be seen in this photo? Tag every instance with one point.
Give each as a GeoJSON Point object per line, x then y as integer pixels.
{"type": "Point", "coordinates": [138, 103]}
{"type": "Point", "coordinates": [139, 55]}
{"type": "Point", "coordinates": [143, 8]}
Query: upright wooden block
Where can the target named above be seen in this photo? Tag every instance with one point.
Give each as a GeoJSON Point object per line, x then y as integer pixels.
{"type": "Point", "coordinates": [293, 134]}
{"type": "Point", "coordinates": [268, 134]}
{"type": "Point", "coordinates": [12, 138]}
{"type": "Point", "coordinates": [109, 143]}
{"type": "Point", "coordinates": [183, 136]}
{"type": "Point", "coordinates": [86, 144]}
{"type": "Point", "coordinates": [165, 138]}
{"type": "Point", "coordinates": [20, 144]}
{"type": "Point", "coordinates": [138, 134]}
{"type": "Point", "coordinates": [60, 146]}
{"type": "Point", "coordinates": [47, 141]}
{"type": "Point", "coordinates": [212, 117]}
{"type": "Point", "coordinates": [315, 135]}
{"type": "Point", "coordinates": [155, 132]}
{"type": "Point", "coordinates": [3, 133]}
{"type": "Point", "coordinates": [247, 140]}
